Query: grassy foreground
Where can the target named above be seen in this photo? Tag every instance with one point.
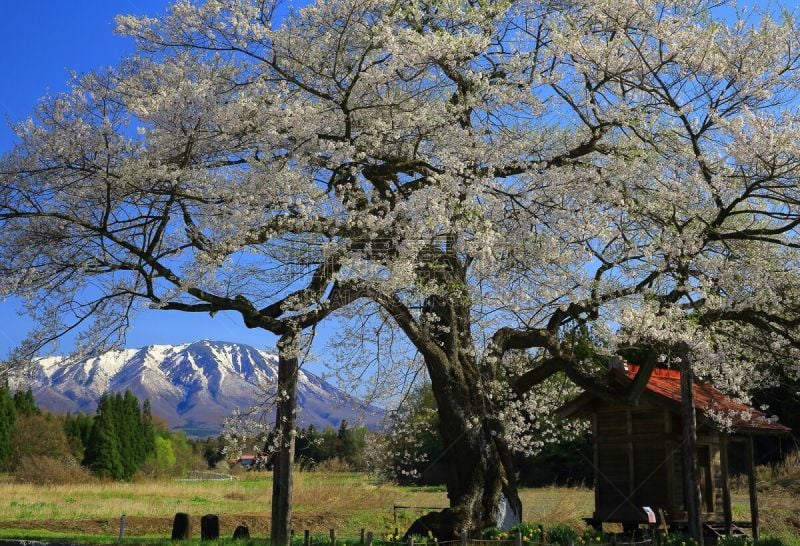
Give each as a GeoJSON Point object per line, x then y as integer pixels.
{"type": "Point", "coordinates": [344, 501]}
{"type": "Point", "coordinates": [322, 500]}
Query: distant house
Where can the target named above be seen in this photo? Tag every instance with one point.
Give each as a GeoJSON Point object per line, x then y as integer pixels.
{"type": "Point", "coordinates": [247, 461]}
{"type": "Point", "coordinates": [638, 452]}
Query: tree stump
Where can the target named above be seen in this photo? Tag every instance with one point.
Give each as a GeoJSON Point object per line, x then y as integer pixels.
{"type": "Point", "coordinates": [242, 532]}
{"type": "Point", "coordinates": [209, 527]}
{"type": "Point", "coordinates": [181, 527]}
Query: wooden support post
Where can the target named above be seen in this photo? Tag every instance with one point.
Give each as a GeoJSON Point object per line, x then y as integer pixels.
{"type": "Point", "coordinates": [726, 486]}
{"type": "Point", "coordinates": [631, 460]}
{"type": "Point", "coordinates": [691, 487]}
{"type": "Point", "coordinates": [306, 538]}
{"type": "Point", "coordinates": [209, 527]}
{"type": "Point", "coordinates": [751, 482]}
{"type": "Point", "coordinates": [464, 538]}
{"type": "Point", "coordinates": [541, 532]}
{"type": "Point", "coordinates": [362, 537]}
{"type": "Point", "coordinates": [333, 537]}
{"type": "Point", "coordinates": [122, 527]}
{"type": "Point", "coordinates": [182, 527]}
{"type": "Point", "coordinates": [669, 446]}
{"type": "Point", "coordinates": [242, 532]}
{"type": "Point", "coordinates": [518, 539]}
{"type": "Point", "coordinates": [410, 540]}
{"type": "Point", "coordinates": [369, 538]}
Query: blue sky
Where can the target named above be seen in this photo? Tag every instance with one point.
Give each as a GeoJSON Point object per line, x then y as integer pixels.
{"type": "Point", "coordinates": [40, 42]}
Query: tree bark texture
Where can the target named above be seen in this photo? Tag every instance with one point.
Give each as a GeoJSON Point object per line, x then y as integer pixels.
{"type": "Point", "coordinates": [285, 418]}
{"type": "Point", "coordinates": [481, 482]}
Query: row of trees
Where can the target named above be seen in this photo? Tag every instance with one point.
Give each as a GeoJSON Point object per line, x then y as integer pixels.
{"type": "Point", "coordinates": [20, 404]}
{"type": "Point", "coordinates": [346, 446]}
{"type": "Point", "coordinates": [121, 438]}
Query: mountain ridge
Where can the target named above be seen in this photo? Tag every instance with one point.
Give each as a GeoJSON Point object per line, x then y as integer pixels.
{"type": "Point", "coordinates": [193, 386]}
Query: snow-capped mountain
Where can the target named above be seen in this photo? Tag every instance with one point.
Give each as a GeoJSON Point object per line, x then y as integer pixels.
{"type": "Point", "coordinates": [193, 386]}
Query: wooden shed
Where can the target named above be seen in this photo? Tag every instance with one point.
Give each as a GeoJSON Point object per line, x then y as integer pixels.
{"type": "Point", "coordinates": [637, 452]}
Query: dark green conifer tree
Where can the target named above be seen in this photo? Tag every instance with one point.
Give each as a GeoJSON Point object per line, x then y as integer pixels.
{"type": "Point", "coordinates": [24, 403]}
{"type": "Point", "coordinates": [128, 426]}
{"type": "Point", "coordinates": [148, 429]}
{"type": "Point", "coordinates": [78, 427]}
{"type": "Point", "coordinates": [8, 416]}
{"type": "Point", "coordinates": [103, 448]}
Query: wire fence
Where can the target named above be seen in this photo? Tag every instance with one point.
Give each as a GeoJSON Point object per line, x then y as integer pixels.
{"type": "Point", "coordinates": [205, 476]}
{"type": "Point", "coordinates": [370, 539]}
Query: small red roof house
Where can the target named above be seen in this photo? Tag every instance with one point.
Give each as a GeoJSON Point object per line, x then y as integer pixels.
{"type": "Point", "coordinates": [638, 451]}
{"type": "Point", "coordinates": [246, 461]}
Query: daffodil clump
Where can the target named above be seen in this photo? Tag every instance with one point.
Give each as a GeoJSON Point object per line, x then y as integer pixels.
{"type": "Point", "coordinates": [592, 536]}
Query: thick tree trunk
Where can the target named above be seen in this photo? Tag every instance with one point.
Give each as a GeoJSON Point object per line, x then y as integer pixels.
{"type": "Point", "coordinates": [481, 482]}
{"type": "Point", "coordinates": [691, 487]}
{"type": "Point", "coordinates": [285, 418]}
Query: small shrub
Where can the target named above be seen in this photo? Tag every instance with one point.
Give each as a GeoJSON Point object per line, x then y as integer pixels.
{"type": "Point", "coordinates": [531, 532]}
{"type": "Point", "coordinates": [678, 539]}
{"type": "Point", "coordinates": [428, 540]}
{"type": "Point", "coordinates": [43, 470]}
{"type": "Point", "coordinates": [332, 465]}
{"type": "Point", "coordinates": [491, 533]}
{"type": "Point", "coordinates": [735, 541]}
{"type": "Point", "coordinates": [591, 536]}
{"type": "Point", "coordinates": [769, 541]}
{"type": "Point", "coordinates": [561, 534]}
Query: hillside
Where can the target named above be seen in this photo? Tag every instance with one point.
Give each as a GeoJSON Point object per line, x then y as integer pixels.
{"type": "Point", "coordinates": [193, 386]}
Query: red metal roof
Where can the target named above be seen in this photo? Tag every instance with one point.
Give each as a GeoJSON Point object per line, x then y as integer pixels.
{"type": "Point", "coordinates": [708, 400]}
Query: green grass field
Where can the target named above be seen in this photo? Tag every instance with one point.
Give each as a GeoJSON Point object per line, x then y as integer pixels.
{"type": "Point", "coordinates": [347, 502]}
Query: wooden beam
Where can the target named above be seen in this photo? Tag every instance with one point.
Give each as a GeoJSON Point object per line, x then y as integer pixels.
{"type": "Point", "coordinates": [691, 489]}
{"type": "Point", "coordinates": [596, 461]}
{"type": "Point", "coordinates": [751, 482]}
{"type": "Point", "coordinates": [669, 447]}
{"type": "Point", "coordinates": [631, 459]}
{"type": "Point", "coordinates": [726, 490]}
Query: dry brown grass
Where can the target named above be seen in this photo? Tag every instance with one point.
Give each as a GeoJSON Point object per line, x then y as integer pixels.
{"type": "Point", "coordinates": [323, 500]}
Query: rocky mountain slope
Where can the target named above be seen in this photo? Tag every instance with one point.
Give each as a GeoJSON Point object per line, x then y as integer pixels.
{"type": "Point", "coordinates": [193, 386]}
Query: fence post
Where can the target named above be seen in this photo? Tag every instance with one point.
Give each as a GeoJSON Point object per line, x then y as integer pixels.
{"type": "Point", "coordinates": [369, 538]}
{"type": "Point", "coordinates": [614, 540]}
{"type": "Point", "coordinates": [464, 538]}
{"type": "Point", "coordinates": [410, 540]}
{"type": "Point", "coordinates": [333, 537]}
{"type": "Point", "coordinates": [306, 538]}
{"type": "Point", "coordinates": [362, 537]}
{"type": "Point", "coordinates": [541, 534]}
{"type": "Point", "coordinates": [122, 527]}
{"type": "Point", "coordinates": [518, 539]}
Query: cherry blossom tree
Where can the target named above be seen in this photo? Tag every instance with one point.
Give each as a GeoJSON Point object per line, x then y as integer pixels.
{"type": "Point", "coordinates": [478, 180]}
